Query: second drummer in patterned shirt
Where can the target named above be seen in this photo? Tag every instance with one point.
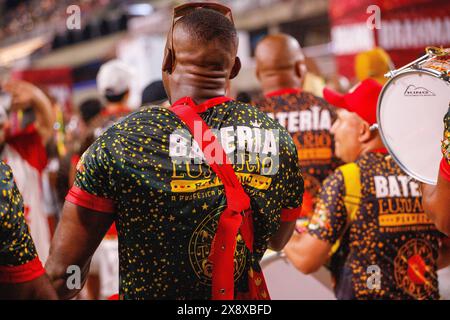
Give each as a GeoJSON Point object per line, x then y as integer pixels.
{"type": "Point", "coordinates": [372, 210]}
{"type": "Point", "coordinates": [280, 68]}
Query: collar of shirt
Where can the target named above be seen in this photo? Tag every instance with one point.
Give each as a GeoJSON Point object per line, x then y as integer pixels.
{"type": "Point", "coordinates": [380, 150]}
{"type": "Point", "coordinates": [282, 92]}
{"type": "Point", "coordinates": [203, 106]}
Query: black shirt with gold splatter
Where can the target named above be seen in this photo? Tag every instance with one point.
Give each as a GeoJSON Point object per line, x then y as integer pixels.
{"type": "Point", "coordinates": [18, 259]}
{"type": "Point", "coordinates": [149, 172]}
{"type": "Point", "coordinates": [392, 245]}
{"type": "Point", "coordinates": [308, 119]}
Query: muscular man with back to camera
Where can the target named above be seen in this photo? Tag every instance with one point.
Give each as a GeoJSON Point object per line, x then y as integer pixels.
{"type": "Point", "coordinates": [167, 211]}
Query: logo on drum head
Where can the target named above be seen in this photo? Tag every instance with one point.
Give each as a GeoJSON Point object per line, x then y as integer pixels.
{"type": "Point", "coordinates": [413, 91]}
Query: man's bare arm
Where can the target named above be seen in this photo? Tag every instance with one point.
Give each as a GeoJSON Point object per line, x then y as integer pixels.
{"type": "Point", "coordinates": [444, 255]}
{"type": "Point", "coordinates": [77, 236]}
{"type": "Point", "coordinates": [281, 238]}
{"type": "Point", "coordinates": [307, 253]}
{"type": "Point", "coordinates": [37, 289]}
{"type": "Point", "coordinates": [436, 203]}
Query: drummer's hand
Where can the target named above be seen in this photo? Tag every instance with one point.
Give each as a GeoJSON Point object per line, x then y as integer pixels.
{"type": "Point", "coordinates": [307, 253]}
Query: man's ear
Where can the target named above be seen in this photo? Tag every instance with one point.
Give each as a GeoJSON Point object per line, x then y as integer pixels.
{"type": "Point", "coordinates": [300, 69]}
{"type": "Point", "coordinates": [236, 68]}
{"type": "Point", "coordinates": [167, 65]}
{"type": "Point", "coordinates": [365, 135]}
{"type": "Point", "coordinates": [257, 72]}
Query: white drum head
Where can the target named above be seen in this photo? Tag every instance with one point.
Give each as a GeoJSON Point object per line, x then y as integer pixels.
{"type": "Point", "coordinates": [411, 110]}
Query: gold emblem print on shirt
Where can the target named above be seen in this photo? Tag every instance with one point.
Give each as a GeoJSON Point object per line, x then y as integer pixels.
{"type": "Point", "coordinates": [200, 244]}
{"type": "Point", "coordinates": [413, 269]}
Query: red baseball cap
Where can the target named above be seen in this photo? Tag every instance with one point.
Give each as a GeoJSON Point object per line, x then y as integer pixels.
{"type": "Point", "coordinates": [361, 99]}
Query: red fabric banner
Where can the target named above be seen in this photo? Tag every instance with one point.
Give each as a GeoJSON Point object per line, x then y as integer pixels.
{"type": "Point", "coordinates": [406, 28]}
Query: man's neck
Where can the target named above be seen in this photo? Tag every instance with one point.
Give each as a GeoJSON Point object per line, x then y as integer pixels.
{"type": "Point", "coordinates": [280, 83]}
{"type": "Point", "coordinates": [375, 144]}
{"type": "Point", "coordinates": [199, 90]}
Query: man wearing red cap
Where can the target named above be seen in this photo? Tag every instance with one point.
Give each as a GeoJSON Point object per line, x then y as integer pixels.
{"type": "Point", "coordinates": [370, 214]}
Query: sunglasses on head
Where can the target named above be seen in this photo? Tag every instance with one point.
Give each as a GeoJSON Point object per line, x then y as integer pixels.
{"type": "Point", "coordinates": [184, 9]}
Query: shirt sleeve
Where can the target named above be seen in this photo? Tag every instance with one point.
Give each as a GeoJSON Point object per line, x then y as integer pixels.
{"type": "Point", "coordinates": [91, 188]}
{"type": "Point", "coordinates": [330, 216]}
{"type": "Point", "coordinates": [293, 183]}
{"type": "Point", "coordinates": [18, 258]}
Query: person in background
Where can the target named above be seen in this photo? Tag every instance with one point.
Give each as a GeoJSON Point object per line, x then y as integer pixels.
{"type": "Point", "coordinates": [90, 112]}
{"type": "Point", "coordinates": [21, 273]}
{"type": "Point", "coordinates": [373, 64]}
{"type": "Point", "coordinates": [24, 151]}
{"type": "Point", "coordinates": [244, 97]}
{"type": "Point", "coordinates": [338, 83]}
{"type": "Point", "coordinates": [114, 85]}
{"type": "Point", "coordinates": [77, 131]}
{"type": "Point", "coordinates": [372, 211]}
{"type": "Point", "coordinates": [154, 94]}
{"type": "Point", "coordinates": [313, 81]}
{"type": "Point", "coordinates": [280, 69]}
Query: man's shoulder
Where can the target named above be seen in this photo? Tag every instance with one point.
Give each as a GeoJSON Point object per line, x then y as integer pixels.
{"type": "Point", "coordinates": [148, 120]}
{"type": "Point", "coordinates": [148, 112]}
{"type": "Point", "coordinates": [375, 161]}
{"type": "Point", "coordinates": [336, 178]}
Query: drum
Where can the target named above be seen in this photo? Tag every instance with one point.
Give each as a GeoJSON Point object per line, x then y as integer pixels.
{"type": "Point", "coordinates": [287, 283]}
{"type": "Point", "coordinates": [410, 113]}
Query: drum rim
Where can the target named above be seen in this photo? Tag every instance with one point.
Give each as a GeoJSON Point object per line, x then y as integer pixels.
{"type": "Point", "coordinates": [429, 71]}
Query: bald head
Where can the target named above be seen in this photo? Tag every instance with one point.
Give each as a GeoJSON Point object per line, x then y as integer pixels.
{"type": "Point", "coordinates": [279, 62]}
